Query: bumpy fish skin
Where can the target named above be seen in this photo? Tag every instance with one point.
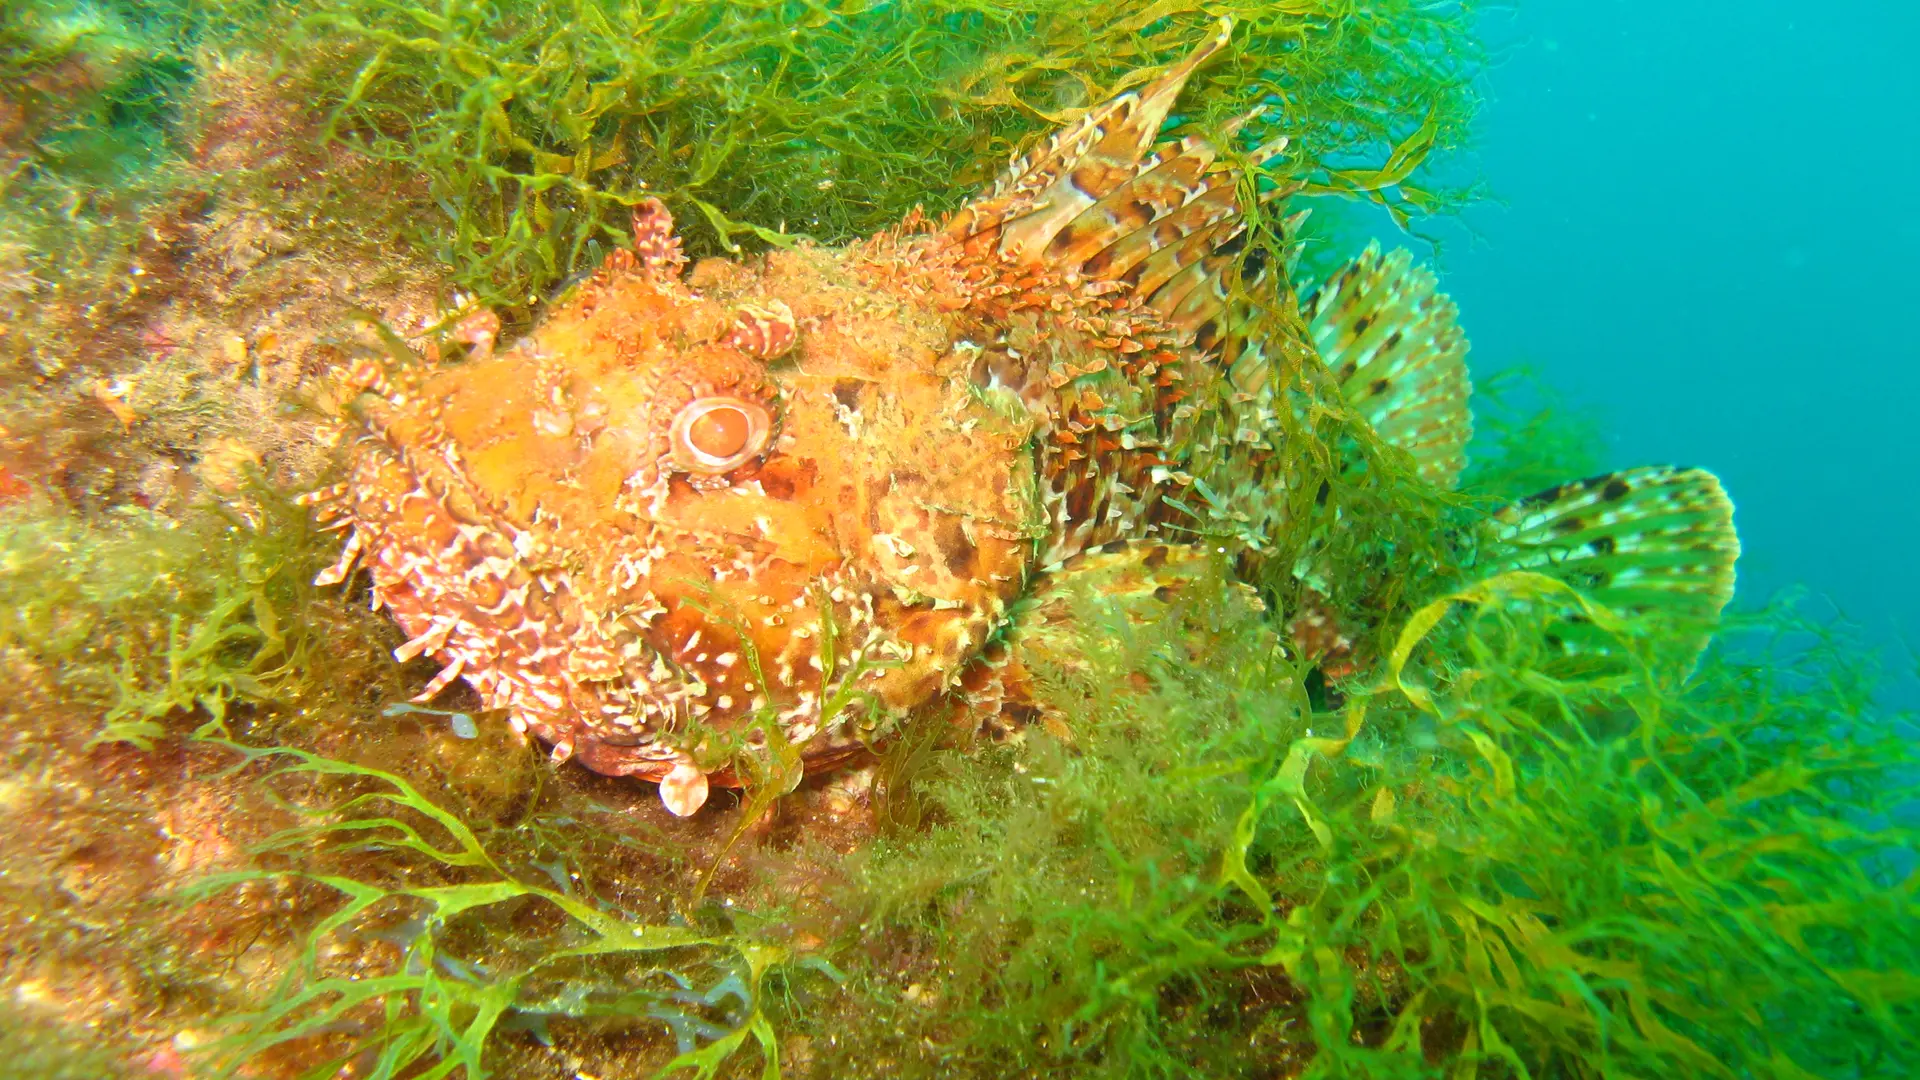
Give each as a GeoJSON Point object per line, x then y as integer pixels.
{"type": "Point", "coordinates": [808, 492]}
{"type": "Point", "coordinates": [942, 420]}
{"type": "Point", "coordinates": [940, 428]}
{"type": "Point", "coordinates": [529, 519]}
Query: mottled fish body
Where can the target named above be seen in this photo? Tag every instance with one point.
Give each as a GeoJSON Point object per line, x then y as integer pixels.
{"type": "Point", "coordinates": [803, 498]}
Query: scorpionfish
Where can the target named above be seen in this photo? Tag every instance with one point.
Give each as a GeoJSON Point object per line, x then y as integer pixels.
{"type": "Point", "coordinates": [803, 497]}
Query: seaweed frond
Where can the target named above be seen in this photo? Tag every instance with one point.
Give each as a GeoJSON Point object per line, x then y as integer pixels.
{"type": "Point", "coordinates": [146, 617]}
{"type": "Point", "coordinates": [414, 979]}
{"type": "Point", "coordinates": [537, 124]}
{"type": "Point", "coordinates": [1472, 865]}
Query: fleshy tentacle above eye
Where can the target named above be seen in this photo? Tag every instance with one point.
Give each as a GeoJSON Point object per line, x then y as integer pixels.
{"type": "Point", "coordinates": [766, 330]}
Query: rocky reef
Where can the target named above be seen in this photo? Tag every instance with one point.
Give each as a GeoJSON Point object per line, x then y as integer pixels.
{"type": "Point", "coordinates": [233, 846]}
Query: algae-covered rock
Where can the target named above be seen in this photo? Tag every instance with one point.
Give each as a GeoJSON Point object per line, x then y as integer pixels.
{"type": "Point", "coordinates": [235, 847]}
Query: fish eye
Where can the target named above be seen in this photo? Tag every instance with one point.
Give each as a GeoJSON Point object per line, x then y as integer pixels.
{"type": "Point", "coordinates": [713, 435]}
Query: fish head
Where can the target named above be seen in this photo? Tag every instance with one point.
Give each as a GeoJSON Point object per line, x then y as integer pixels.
{"type": "Point", "coordinates": [673, 515]}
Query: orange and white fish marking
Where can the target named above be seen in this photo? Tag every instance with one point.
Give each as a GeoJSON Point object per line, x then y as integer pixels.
{"type": "Point", "coordinates": [800, 497]}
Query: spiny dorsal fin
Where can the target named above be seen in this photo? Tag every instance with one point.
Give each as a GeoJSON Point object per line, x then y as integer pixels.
{"type": "Point", "coordinates": [1046, 189]}
{"type": "Point", "coordinates": [1173, 271]}
{"type": "Point", "coordinates": [1091, 203]}
{"type": "Point", "coordinates": [1655, 542]}
{"type": "Point", "coordinates": [1131, 233]}
{"type": "Point", "coordinates": [1400, 357]}
{"type": "Point", "coordinates": [1171, 177]}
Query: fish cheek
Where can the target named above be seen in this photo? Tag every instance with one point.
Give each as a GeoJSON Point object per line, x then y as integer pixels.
{"type": "Point", "coordinates": [603, 472]}
{"type": "Point", "coordinates": [735, 633]}
{"type": "Point", "coordinates": [958, 553]}
{"type": "Point", "coordinates": [786, 478]}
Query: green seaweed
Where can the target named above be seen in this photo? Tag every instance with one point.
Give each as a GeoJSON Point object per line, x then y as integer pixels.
{"type": "Point", "coordinates": [1476, 865]}
{"type": "Point", "coordinates": [93, 85]}
{"type": "Point", "coordinates": [146, 616]}
{"type": "Point", "coordinates": [428, 1011]}
{"type": "Point", "coordinates": [86, 136]}
{"type": "Point", "coordinates": [535, 124]}
{"type": "Point", "coordinates": [1471, 863]}
{"type": "Point", "coordinates": [1488, 873]}
{"type": "Point", "coordinates": [1527, 437]}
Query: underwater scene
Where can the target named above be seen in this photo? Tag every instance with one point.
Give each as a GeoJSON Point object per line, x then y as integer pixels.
{"type": "Point", "coordinates": [593, 539]}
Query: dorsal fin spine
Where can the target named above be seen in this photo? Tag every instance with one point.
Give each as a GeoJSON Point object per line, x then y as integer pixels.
{"type": "Point", "coordinates": [1043, 191]}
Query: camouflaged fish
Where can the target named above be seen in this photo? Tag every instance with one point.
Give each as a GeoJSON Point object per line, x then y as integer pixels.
{"type": "Point", "coordinates": [803, 498]}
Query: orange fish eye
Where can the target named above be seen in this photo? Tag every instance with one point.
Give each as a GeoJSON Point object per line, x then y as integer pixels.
{"type": "Point", "coordinates": [720, 432]}
{"type": "Point", "coordinates": [713, 435]}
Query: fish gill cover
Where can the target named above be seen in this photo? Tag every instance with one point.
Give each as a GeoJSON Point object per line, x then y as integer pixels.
{"type": "Point", "coordinates": [233, 841]}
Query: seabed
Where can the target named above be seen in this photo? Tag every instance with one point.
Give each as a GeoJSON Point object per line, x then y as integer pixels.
{"type": "Point", "coordinates": [233, 848]}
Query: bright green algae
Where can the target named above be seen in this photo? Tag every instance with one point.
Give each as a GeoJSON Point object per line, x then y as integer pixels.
{"type": "Point", "coordinates": [1518, 879]}
{"type": "Point", "coordinates": [1469, 862]}
{"type": "Point", "coordinates": [532, 126]}
{"type": "Point", "coordinates": [536, 124]}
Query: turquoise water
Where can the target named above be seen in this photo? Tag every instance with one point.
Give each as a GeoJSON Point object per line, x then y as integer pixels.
{"type": "Point", "coordinates": [1705, 227]}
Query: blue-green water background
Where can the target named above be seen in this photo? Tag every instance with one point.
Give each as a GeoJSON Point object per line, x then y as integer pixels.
{"type": "Point", "coordinates": [1705, 224]}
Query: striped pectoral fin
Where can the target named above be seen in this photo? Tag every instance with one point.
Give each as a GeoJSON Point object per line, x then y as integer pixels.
{"type": "Point", "coordinates": [1393, 342]}
{"type": "Point", "coordinates": [1656, 545]}
{"type": "Point", "coordinates": [1101, 625]}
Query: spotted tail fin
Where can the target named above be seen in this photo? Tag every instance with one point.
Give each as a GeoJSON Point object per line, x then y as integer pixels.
{"type": "Point", "coordinates": [1392, 341]}
{"type": "Point", "coordinates": [1654, 543]}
